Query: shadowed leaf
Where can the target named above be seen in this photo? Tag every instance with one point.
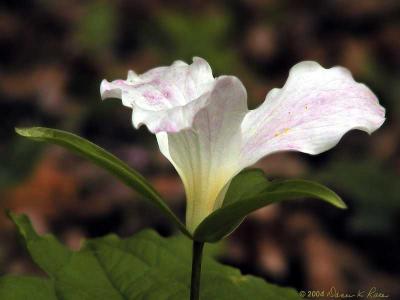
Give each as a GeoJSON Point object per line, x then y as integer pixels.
{"type": "Point", "coordinates": [250, 191]}
{"type": "Point", "coordinates": [145, 266]}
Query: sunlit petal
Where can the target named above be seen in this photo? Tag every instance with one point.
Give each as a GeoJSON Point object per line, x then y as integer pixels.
{"type": "Point", "coordinates": [162, 98]}
{"type": "Point", "coordinates": [206, 155]}
{"type": "Point", "coordinates": [310, 114]}
{"type": "Point", "coordinates": [204, 128]}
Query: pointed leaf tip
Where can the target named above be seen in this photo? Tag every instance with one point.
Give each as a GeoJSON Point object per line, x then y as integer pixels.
{"type": "Point", "coordinates": [20, 130]}
{"type": "Point", "coordinates": [105, 160]}
{"type": "Point", "coordinates": [35, 133]}
{"type": "Point", "coordinates": [224, 220]}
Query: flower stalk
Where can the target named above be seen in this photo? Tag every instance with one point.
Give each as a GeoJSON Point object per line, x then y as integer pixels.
{"type": "Point", "coordinates": [196, 270]}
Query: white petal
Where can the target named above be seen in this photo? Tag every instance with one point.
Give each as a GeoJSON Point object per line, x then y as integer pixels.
{"type": "Point", "coordinates": [163, 97]}
{"type": "Point", "coordinates": [313, 110]}
{"type": "Point", "coordinates": [132, 77]}
{"type": "Point", "coordinates": [204, 128]}
{"type": "Point", "coordinates": [108, 91]}
{"type": "Point", "coordinates": [206, 155]}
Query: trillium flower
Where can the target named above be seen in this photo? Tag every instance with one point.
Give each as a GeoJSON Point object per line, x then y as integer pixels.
{"type": "Point", "coordinates": [205, 129]}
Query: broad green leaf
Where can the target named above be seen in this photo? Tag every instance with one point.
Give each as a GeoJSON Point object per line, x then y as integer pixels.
{"type": "Point", "coordinates": [222, 221]}
{"type": "Point", "coordinates": [145, 266]}
{"type": "Point", "coordinates": [105, 160]}
{"type": "Point", "coordinates": [26, 288]}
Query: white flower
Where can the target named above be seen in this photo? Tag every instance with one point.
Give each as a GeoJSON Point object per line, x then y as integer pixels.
{"type": "Point", "coordinates": [203, 125]}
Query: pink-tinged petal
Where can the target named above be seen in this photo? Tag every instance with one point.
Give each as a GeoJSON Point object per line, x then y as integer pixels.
{"type": "Point", "coordinates": [170, 120]}
{"type": "Point", "coordinates": [206, 154]}
{"type": "Point", "coordinates": [108, 90]}
{"type": "Point", "coordinates": [310, 114]}
{"type": "Point", "coordinates": [163, 97]}
{"type": "Point", "coordinates": [204, 128]}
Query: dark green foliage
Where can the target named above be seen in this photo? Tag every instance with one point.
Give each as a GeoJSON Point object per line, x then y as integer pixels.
{"type": "Point", "coordinates": [145, 266]}
{"type": "Point", "coordinates": [249, 191]}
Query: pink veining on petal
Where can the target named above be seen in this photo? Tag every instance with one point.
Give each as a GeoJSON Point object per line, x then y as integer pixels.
{"type": "Point", "coordinates": [167, 94]}
{"type": "Point", "coordinates": [159, 96]}
{"type": "Point", "coordinates": [205, 129]}
{"type": "Point", "coordinates": [153, 97]}
{"type": "Point", "coordinates": [313, 110]}
{"type": "Point", "coordinates": [167, 127]}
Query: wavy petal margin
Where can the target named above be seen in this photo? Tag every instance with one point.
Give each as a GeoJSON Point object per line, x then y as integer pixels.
{"type": "Point", "coordinates": [310, 114]}
{"type": "Point", "coordinates": [203, 125]}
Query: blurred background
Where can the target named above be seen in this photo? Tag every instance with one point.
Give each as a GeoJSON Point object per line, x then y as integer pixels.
{"type": "Point", "coordinates": [53, 55]}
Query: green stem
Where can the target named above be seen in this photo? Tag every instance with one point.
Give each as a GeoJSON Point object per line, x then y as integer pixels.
{"type": "Point", "coordinates": [196, 270]}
